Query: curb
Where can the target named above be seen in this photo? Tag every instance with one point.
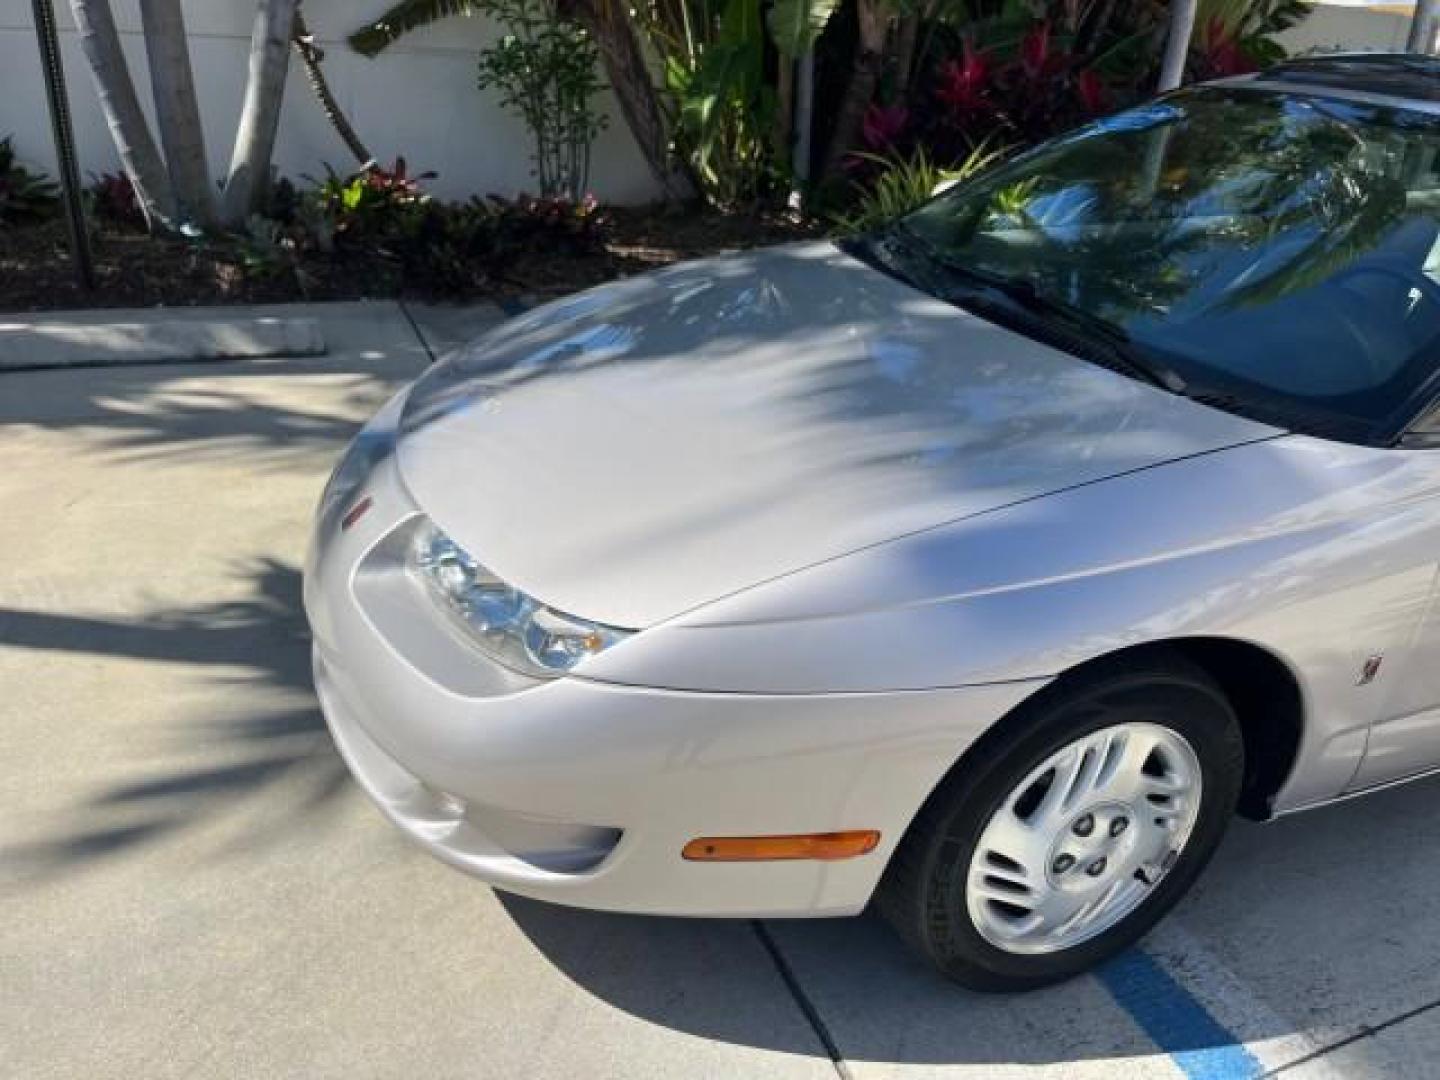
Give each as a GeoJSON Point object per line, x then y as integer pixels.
{"type": "Point", "coordinates": [46, 343]}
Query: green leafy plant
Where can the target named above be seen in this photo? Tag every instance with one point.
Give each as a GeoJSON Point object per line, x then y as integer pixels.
{"type": "Point", "coordinates": [453, 249]}
{"type": "Point", "coordinates": [269, 250]}
{"type": "Point", "coordinates": [544, 69]}
{"type": "Point", "coordinates": [25, 196]}
{"type": "Point", "coordinates": [384, 220]}
{"type": "Point", "coordinates": [1235, 36]}
{"type": "Point", "coordinates": [369, 205]}
{"type": "Point", "coordinates": [795, 25]}
{"type": "Point", "coordinates": [904, 182]}
{"type": "Point", "coordinates": [725, 100]}
{"type": "Point", "coordinates": [617, 30]}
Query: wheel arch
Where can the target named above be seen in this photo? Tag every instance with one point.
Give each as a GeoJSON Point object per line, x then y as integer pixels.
{"type": "Point", "coordinates": [1260, 686]}
{"type": "Point", "coordinates": [918, 890]}
{"type": "Point", "coordinates": [1270, 705]}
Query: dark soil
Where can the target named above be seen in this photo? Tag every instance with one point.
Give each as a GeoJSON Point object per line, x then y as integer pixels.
{"type": "Point", "coordinates": [134, 270]}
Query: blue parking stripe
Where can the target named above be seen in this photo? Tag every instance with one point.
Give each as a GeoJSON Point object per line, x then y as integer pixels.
{"type": "Point", "coordinates": [1178, 1024]}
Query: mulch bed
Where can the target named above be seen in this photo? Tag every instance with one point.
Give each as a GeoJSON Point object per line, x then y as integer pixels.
{"type": "Point", "coordinates": [134, 270]}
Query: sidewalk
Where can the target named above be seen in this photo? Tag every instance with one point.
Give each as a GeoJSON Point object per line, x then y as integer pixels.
{"type": "Point", "coordinates": [191, 886]}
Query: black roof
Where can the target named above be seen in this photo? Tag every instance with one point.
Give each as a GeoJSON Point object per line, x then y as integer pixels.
{"type": "Point", "coordinates": [1405, 75]}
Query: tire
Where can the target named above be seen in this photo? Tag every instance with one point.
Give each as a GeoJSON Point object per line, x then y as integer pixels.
{"type": "Point", "coordinates": [940, 895]}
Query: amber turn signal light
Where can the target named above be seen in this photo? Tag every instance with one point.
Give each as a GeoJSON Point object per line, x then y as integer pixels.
{"type": "Point", "coordinates": [827, 845]}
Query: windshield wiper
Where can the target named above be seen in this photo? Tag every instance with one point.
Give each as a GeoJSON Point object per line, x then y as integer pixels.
{"type": "Point", "coordinates": [995, 292]}
{"type": "Point", "coordinates": [1114, 339]}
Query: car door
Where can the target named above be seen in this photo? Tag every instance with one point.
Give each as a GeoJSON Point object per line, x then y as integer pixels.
{"type": "Point", "coordinates": [1405, 740]}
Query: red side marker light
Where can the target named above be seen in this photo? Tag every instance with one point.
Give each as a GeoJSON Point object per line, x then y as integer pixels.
{"type": "Point", "coordinates": [356, 512]}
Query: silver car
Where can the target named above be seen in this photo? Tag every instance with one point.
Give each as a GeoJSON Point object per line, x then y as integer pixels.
{"type": "Point", "coordinates": [982, 567]}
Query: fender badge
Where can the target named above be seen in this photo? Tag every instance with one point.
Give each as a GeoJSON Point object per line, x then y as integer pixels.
{"type": "Point", "coordinates": [1369, 670]}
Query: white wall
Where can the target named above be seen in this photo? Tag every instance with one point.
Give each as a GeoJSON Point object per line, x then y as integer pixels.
{"type": "Point", "coordinates": [1337, 27]}
{"type": "Point", "coordinates": [419, 99]}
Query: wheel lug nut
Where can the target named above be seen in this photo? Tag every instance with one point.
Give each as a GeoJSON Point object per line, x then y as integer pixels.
{"type": "Point", "coordinates": [1084, 826]}
{"type": "Point", "coordinates": [1096, 868]}
{"type": "Point", "coordinates": [1062, 863]}
{"type": "Point", "coordinates": [1119, 825]}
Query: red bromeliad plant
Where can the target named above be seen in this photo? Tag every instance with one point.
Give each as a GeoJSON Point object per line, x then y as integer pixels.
{"type": "Point", "coordinates": [963, 84]}
{"type": "Point", "coordinates": [1218, 52]}
{"type": "Point", "coordinates": [1022, 70]}
{"type": "Point", "coordinates": [1039, 86]}
{"type": "Point", "coordinates": [113, 200]}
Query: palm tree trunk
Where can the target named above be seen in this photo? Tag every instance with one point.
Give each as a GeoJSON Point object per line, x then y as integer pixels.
{"type": "Point", "coordinates": [1177, 44]}
{"type": "Point", "coordinates": [784, 106]}
{"type": "Point", "coordinates": [139, 156]}
{"type": "Point", "coordinates": [311, 56]}
{"type": "Point", "coordinates": [872, 18]}
{"type": "Point", "coordinates": [177, 112]}
{"type": "Point", "coordinates": [907, 38]}
{"type": "Point", "coordinates": [804, 125]}
{"type": "Point", "coordinates": [249, 177]}
{"type": "Point", "coordinates": [629, 76]}
{"type": "Point", "coordinates": [1423, 27]}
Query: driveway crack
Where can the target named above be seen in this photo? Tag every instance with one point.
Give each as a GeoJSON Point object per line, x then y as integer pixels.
{"type": "Point", "coordinates": [1366, 1031]}
{"type": "Point", "coordinates": [415, 326]}
{"type": "Point", "coordinates": [802, 999]}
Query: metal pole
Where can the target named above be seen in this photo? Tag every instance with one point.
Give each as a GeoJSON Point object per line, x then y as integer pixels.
{"type": "Point", "coordinates": [64, 136]}
{"type": "Point", "coordinates": [804, 118]}
{"type": "Point", "coordinates": [1422, 28]}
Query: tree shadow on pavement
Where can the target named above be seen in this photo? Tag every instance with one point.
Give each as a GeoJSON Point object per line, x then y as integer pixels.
{"type": "Point", "coordinates": [211, 410]}
{"type": "Point", "coordinates": [1346, 876]}
{"type": "Point", "coordinates": [251, 650]}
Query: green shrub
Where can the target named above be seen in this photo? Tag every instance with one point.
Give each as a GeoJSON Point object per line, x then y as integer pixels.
{"type": "Point", "coordinates": [454, 248]}
{"type": "Point", "coordinates": [369, 206]}
{"type": "Point", "coordinates": [903, 183]}
{"type": "Point", "coordinates": [25, 196]}
{"type": "Point", "coordinates": [384, 221]}
{"type": "Point", "coordinates": [544, 69]}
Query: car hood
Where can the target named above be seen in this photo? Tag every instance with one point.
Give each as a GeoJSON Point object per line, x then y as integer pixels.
{"type": "Point", "coordinates": [643, 448]}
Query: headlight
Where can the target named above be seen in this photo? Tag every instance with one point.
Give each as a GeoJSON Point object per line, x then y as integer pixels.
{"type": "Point", "coordinates": [514, 628]}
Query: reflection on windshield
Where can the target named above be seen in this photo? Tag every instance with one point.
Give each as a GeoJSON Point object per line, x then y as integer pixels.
{"type": "Point", "coordinates": [1276, 249]}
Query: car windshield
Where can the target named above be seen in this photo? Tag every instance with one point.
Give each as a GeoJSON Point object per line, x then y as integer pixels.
{"type": "Point", "coordinates": [1277, 254]}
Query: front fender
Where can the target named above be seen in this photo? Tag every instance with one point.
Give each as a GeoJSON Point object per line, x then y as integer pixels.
{"type": "Point", "coordinates": [1319, 552]}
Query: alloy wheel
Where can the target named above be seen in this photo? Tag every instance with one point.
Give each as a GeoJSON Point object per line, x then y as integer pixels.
{"type": "Point", "coordinates": [1083, 839]}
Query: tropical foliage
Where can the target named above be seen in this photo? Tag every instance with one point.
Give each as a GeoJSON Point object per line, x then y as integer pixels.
{"type": "Point", "coordinates": [25, 195]}
{"type": "Point", "coordinates": [901, 183]}
{"type": "Point", "coordinates": [903, 86]}
{"type": "Point", "coordinates": [725, 103]}
{"type": "Point", "coordinates": [384, 217]}
{"type": "Point", "coordinates": [855, 104]}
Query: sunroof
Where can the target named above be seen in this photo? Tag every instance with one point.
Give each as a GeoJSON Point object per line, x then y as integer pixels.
{"type": "Point", "coordinates": [1395, 74]}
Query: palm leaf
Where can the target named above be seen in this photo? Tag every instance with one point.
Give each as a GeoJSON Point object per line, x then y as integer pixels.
{"type": "Point", "coordinates": [404, 17]}
{"type": "Point", "coordinates": [795, 24]}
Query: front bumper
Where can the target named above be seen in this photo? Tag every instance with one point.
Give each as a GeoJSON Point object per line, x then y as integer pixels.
{"type": "Point", "coordinates": [585, 793]}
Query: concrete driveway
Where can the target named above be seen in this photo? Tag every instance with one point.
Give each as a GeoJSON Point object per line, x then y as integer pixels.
{"type": "Point", "coordinates": [190, 886]}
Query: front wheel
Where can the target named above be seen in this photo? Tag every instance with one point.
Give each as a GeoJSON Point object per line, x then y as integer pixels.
{"type": "Point", "coordinates": [1065, 836]}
